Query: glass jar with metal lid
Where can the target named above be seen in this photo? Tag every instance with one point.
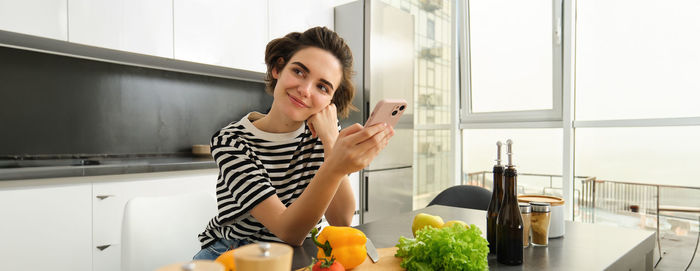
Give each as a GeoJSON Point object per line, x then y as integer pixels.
{"type": "Point", "coordinates": [525, 211]}
{"type": "Point", "coordinates": [539, 221]}
{"type": "Point", "coordinates": [556, 227]}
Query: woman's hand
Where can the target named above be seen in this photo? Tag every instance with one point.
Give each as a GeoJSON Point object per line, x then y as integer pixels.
{"type": "Point", "coordinates": [324, 125]}
{"type": "Point", "coordinates": [357, 146]}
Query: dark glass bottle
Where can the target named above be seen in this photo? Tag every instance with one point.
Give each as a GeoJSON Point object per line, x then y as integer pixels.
{"type": "Point", "coordinates": [496, 198]}
{"type": "Point", "coordinates": [509, 224]}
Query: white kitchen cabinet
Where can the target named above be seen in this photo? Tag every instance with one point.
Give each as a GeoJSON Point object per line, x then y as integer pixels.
{"type": "Point", "coordinates": [44, 18]}
{"type": "Point", "coordinates": [75, 223]}
{"type": "Point", "coordinates": [111, 193]}
{"type": "Point", "coordinates": [144, 27]}
{"type": "Point", "coordinates": [287, 16]}
{"type": "Point", "coordinates": [46, 224]}
{"type": "Point", "coordinates": [230, 33]}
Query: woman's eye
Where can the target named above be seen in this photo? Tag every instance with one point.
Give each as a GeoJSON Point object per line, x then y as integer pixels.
{"type": "Point", "coordinates": [297, 72]}
{"type": "Point", "coordinates": [323, 88]}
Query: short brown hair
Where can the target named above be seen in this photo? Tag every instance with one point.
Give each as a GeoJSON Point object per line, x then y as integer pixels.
{"type": "Point", "coordinates": [320, 37]}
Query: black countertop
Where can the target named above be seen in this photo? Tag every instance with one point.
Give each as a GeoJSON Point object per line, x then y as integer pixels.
{"type": "Point", "coordinates": [55, 168]}
{"type": "Point", "coordinates": [583, 247]}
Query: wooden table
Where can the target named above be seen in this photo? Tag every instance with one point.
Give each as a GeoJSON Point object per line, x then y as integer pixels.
{"type": "Point", "coordinates": [583, 247]}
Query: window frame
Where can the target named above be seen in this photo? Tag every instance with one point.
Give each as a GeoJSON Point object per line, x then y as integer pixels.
{"type": "Point", "coordinates": [468, 116]}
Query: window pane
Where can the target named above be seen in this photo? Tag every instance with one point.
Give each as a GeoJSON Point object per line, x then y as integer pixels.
{"type": "Point", "coordinates": [535, 151]}
{"type": "Point", "coordinates": [637, 59]}
{"type": "Point", "coordinates": [655, 155]}
{"type": "Point", "coordinates": [511, 55]}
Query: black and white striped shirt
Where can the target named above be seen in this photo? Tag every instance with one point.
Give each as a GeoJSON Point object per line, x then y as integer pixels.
{"type": "Point", "coordinates": [254, 165]}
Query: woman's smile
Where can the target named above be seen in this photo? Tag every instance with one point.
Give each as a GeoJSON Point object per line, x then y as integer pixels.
{"type": "Point", "coordinates": [297, 102]}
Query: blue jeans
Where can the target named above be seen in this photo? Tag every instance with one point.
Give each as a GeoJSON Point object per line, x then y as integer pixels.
{"type": "Point", "coordinates": [219, 247]}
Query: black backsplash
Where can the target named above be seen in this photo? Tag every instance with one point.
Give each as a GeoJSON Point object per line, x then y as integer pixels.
{"type": "Point", "coordinates": [52, 104]}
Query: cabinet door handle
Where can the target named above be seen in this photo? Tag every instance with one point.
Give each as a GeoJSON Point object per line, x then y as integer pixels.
{"type": "Point", "coordinates": [366, 194]}
{"type": "Point", "coordinates": [103, 247]}
{"type": "Point", "coordinates": [101, 197]}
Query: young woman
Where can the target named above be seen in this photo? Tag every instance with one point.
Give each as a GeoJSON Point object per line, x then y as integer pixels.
{"type": "Point", "coordinates": [280, 173]}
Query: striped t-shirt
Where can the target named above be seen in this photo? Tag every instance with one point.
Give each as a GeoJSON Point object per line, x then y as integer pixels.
{"type": "Point", "coordinates": [254, 165]}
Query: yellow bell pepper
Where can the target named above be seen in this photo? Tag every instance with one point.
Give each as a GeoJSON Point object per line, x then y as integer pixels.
{"type": "Point", "coordinates": [346, 244]}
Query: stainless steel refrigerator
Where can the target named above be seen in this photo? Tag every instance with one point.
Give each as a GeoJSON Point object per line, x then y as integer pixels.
{"type": "Point", "coordinates": [381, 38]}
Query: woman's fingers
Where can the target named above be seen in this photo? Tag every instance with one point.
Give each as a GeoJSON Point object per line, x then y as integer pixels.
{"type": "Point", "coordinates": [385, 141]}
{"type": "Point", "coordinates": [373, 151]}
{"type": "Point", "coordinates": [351, 129]}
{"type": "Point", "coordinates": [357, 146]}
{"type": "Point", "coordinates": [362, 154]}
{"type": "Point", "coordinates": [376, 143]}
{"type": "Point", "coordinates": [366, 133]}
{"type": "Point", "coordinates": [325, 123]}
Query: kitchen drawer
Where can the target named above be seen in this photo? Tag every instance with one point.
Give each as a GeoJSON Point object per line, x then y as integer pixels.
{"type": "Point", "coordinates": [110, 196]}
{"type": "Point", "coordinates": [108, 203]}
{"type": "Point", "coordinates": [107, 258]}
{"type": "Point", "coordinates": [111, 193]}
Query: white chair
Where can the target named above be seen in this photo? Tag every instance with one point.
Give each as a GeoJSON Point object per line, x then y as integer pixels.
{"type": "Point", "coordinates": [158, 231]}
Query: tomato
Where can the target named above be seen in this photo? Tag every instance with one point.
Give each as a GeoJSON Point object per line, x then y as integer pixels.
{"type": "Point", "coordinates": [326, 265]}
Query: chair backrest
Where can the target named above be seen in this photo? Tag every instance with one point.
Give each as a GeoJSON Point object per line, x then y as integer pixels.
{"type": "Point", "coordinates": [464, 196]}
{"type": "Point", "coordinates": [157, 231]}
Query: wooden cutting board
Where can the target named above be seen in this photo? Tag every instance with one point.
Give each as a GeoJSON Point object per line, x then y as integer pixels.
{"type": "Point", "coordinates": [387, 261]}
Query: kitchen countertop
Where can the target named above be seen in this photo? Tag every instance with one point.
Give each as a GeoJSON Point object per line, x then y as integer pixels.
{"type": "Point", "coordinates": [37, 169]}
{"type": "Point", "coordinates": [583, 247]}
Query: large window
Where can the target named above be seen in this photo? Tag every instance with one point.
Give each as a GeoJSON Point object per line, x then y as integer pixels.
{"type": "Point", "coordinates": [637, 90]}
{"type": "Point", "coordinates": [637, 60]}
{"type": "Point", "coordinates": [624, 74]}
{"type": "Point", "coordinates": [511, 71]}
{"type": "Point", "coordinates": [637, 116]}
{"type": "Point", "coordinates": [512, 89]}
{"type": "Point", "coordinates": [514, 61]}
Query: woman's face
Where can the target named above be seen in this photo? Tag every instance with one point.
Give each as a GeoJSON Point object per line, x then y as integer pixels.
{"type": "Point", "coordinates": [307, 83]}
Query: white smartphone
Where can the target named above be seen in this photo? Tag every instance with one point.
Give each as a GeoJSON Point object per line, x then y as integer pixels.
{"type": "Point", "coordinates": [387, 110]}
